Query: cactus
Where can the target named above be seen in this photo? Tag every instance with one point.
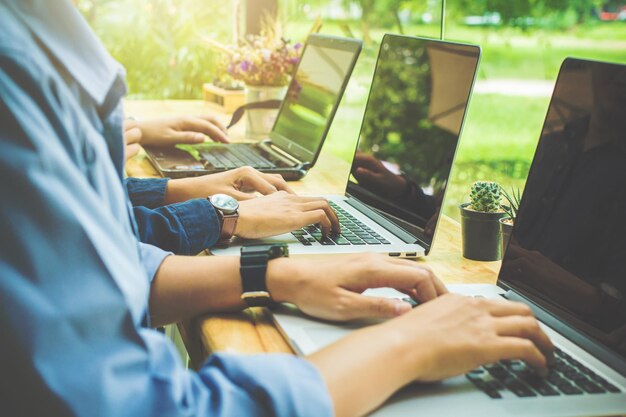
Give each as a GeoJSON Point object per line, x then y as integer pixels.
{"type": "Point", "coordinates": [486, 196]}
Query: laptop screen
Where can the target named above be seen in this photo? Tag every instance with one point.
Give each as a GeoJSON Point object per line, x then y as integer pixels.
{"type": "Point", "coordinates": [314, 94]}
{"type": "Point", "coordinates": [568, 248]}
{"type": "Point", "coordinates": [411, 127]}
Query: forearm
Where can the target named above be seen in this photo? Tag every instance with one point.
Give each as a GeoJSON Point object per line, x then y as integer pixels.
{"type": "Point", "coordinates": [180, 190]}
{"type": "Point", "coordinates": [365, 368]}
{"type": "Point", "coordinates": [187, 286]}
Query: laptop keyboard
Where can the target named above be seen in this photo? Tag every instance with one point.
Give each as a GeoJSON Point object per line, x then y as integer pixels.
{"type": "Point", "coordinates": [235, 155]}
{"type": "Point", "coordinates": [566, 377]}
{"type": "Point", "coordinates": [353, 232]}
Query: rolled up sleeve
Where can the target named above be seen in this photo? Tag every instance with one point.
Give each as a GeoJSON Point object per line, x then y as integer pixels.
{"type": "Point", "coordinates": [265, 385]}
{"type": "Point", "coordinates": [146, 192]}
{"type": "Point", "coordinates": [182, 228]}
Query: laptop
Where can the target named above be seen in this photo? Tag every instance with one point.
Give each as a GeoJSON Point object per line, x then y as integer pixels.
{"type": "Point", "coordinates": [299, 130]}
{"type": "Point", "coordinates": [566, 259]}
{"type": "Point", "coordinates": [409, 134]}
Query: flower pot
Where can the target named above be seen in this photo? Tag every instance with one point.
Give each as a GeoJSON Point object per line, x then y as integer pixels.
{"type": "Point", "coordinates": [506, 227]}
{"type": "Point", "coordinates": [259, 122]}
{"type": "Point", "coordinates": [481, 234]}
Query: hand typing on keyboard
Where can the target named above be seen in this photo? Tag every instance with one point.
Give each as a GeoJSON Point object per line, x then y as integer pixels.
{"type": "Point", "coordinates": [353, 232]}
{"type": "Point", "coordinates": [241, 183]}
{"type": "Point", "coordinates": [281, 213]}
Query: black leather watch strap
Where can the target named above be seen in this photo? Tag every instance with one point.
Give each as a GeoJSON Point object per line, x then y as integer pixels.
{"type": "Point", "coordinates": [253, 269]}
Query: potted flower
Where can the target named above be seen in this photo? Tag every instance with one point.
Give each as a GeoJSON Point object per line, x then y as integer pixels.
{"type": "Point", "coordinates": [511, 209]}
{"type": "Point", "coordinates": [480, 222]}
{"type": "Point", "coordinates": [264, 63]}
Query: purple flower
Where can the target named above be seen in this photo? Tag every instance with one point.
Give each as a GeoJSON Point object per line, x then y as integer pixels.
{"type": "Point", "coordinates": [297, 46]}
{"type": "Point", "coordinates": [245, 65]}
{"type": "Point", "coordinates": [294, 60]}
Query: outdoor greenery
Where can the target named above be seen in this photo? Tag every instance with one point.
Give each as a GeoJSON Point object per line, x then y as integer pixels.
{"type": "Point", "coordinates": [160, 44]}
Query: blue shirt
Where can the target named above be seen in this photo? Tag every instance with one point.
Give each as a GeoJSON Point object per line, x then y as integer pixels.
{"type": "Point", "coordinates": [75, 281]}
{"type": "Point", "coordinates": [183, 228]}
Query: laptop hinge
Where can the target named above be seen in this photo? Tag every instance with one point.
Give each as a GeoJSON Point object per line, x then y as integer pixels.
{"type": "Point", "coordinates": [269, 147]}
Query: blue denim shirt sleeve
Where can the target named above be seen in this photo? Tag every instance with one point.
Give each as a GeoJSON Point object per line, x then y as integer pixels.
{"type": "Point", "coordinates": [183, 228]}
{"type": "Point", "coordinates": [147, 192]}
{"type": "Point", "coordinates": [74, 292]}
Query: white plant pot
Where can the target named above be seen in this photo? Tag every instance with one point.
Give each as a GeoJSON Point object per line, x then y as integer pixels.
{"type": "Point", "coordinates": [259, 122]}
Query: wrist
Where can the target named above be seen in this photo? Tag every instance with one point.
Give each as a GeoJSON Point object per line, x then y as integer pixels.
{"type": "Point", "coordinates": [411, 355]}
{"type": "Point", "coordinates": [178, 191]}
{"type": "Point", "coordinates": [283, 280]}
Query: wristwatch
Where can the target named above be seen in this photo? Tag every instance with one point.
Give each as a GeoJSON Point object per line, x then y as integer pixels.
{"type": "Point", "coordinates": [226, 208]}
{"type": "Point", "coordinates": [253, 267]}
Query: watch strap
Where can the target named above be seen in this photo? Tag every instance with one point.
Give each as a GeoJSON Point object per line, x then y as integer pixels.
{"type": "Point", "coordinates": [229, 223]}
{"type": "Point", "coordinates": [253, 270]}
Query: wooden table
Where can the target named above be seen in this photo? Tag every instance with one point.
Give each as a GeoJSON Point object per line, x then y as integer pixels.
{"type": "Point", "coordinates": [252, 331]}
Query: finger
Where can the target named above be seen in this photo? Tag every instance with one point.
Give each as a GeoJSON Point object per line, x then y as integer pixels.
{"type": "Point", "coordinates": [215, 121]}
{"type": "Point", "coordinates": [316, 217]}
{"type": "Point", "coordinates": [132, 150]}
{"type": "Point", "coordinates": [503, 308]}
{"type": "Point", "coordinates": [199, 125]}
{"type": "Point", "coordinates": [278, 181]}
{"type": "Point", "coordinates": [517, 348]}
{"type": "Point", "coordinates": [321, 204]}
{"type": "Point", "coordinates": [252, 179]}
{"type": "Point", "coordinates": [410, 275]}
{"type": "Point", "coordinates": [362, 306]}
{"type": "Point", "coordinates": [526, 327]}
{"type": "Point", "coordinates": [189, 137]}
{"type": "Point", "coordinates": [240, 195]}
{"type": "Point", "coordinates": [132, 135]}
{"type": "Point", "coordinates": [130, 123]}
{"type": "Point", "coordinates": [440, 287]}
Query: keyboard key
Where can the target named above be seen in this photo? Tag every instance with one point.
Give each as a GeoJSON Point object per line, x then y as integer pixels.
{"type": "Point", "coordinates": [569, 389]}
{"type": "Point", "coordinates": [589, 387]}
{"type": "Point", "coordinates": [517, 388]}
{"type": "Point", "coordinates": [371, 241]}
{"type": "Point", "coordinates": [341, 240]}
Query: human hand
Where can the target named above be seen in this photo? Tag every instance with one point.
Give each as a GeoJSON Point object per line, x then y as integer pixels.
{"type": "Point", "coordinates": [281, 213]}
{"type": "Point", "coordinates": [331, 289]}
{"type": "Point", "coordinates": [464, 333]}
{"type": "Point", "coordinates": [373, 175]}
{"type": "Point", "coordinates": [181, 129]}
{"type": "Point", "coordinates": [240, 183]}
{"type": "Point", "coordinates": [132, 137]}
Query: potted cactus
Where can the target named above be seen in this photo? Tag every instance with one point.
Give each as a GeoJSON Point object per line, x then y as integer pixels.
{"type": "Point", "coordinates": [480, 222]}
{"type": "Point", "coordinates": [511, 208]}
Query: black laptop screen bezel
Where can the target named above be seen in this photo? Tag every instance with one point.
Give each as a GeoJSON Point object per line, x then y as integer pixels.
{"type": "Point", "coordinates": [292, 148]}
{"type": "Point", "coordinates": [554, 315]}
{"type": "Point", "coordinates": [355, 191]}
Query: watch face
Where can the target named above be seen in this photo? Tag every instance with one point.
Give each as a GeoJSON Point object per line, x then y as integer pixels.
{"type": "Point", "coordinates": [226, 204]}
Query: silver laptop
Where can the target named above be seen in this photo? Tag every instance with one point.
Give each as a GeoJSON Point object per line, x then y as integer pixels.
{"type": "Point", "coordinates": [409, 135]}
{"type": "Point", "coordinates": [566, 259]}
{"type": "Point", "coordinates": [303, 121]}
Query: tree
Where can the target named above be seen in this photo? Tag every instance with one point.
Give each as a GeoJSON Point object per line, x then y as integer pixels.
{"type": "Point", "coordinates": [510, 10]}
{"type": "Point", "coordinates": [367, 10]}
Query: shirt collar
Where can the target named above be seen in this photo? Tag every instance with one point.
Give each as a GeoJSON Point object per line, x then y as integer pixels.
{"type": "Point", "coordinates": [60, 28]}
